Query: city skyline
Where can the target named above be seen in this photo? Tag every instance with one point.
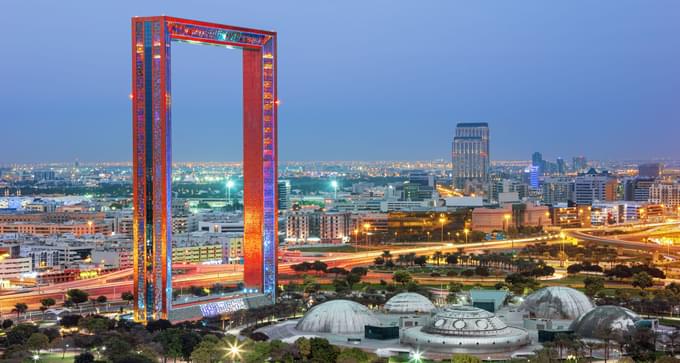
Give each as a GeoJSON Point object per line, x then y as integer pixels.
{"type": "Point", "coordinates": [611, 77]}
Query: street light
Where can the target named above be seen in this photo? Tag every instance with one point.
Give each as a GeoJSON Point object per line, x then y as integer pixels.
{"type": "Point", "coordinates": [506, 218]}
{"type": "Point", "coordinates": [230, 184]}
{"type": "Point", "coordinates": [442, 220]}
{"type": "Point", "coordinates": [334, 184]}
{"type": "Point", "coordinates": [466, 231]}
{"type": "Point", "coordinates": [367, 226]}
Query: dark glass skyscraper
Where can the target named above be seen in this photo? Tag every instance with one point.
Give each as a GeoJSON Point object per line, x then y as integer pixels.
{"type": "Point", "coordinates": [470, 155]}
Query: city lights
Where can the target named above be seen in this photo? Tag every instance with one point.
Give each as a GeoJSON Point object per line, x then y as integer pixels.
{"type": "Point", "coordinates": [558, 217]}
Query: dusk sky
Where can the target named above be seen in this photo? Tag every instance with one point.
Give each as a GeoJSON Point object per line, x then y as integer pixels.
{"type": "Point", "coordinates": [358, 80]}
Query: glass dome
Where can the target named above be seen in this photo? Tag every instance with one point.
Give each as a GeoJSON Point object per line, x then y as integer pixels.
{"type": "Point", "coordinates": [605, 319]}
{"type": "Point", "coordinates": [409, 302]}
{"type": "Point", "coordinates": [338, 317]}
{"type": "Point", "coordinates": [557, 302]}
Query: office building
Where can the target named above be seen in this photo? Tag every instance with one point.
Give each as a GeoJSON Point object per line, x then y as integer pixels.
{"type": "Point", "coordinates": [637, 189]}
{"type": "Point", "coordinates": [511, 215]}
{"type": "Point", "coordinates": [557, 190]}
{"type": "Point", "coordinates": [470, 155]}
{"type": "Point", "coordinates": [579, 163]}
{"type": "Point", "coordinates": [538, 162]}
{"type": "Point", "coordinates": [422, 178]}
{"type": "Point", "coordinates": [650, 170]}
{"type": "Point", "coordinates": [593, 186]}
{"type": "Point", "coordinates": [284, 195]}
{"type": "Point", "coordinates": [561, 166]}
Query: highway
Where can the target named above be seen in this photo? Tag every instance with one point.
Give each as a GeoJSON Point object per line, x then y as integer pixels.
{"type": "Point", "coordinates": [113, 284]}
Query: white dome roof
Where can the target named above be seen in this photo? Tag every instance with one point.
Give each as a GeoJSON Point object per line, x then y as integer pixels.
{"type": "Point", "coordinates": [606, 319]}
{"type": "Point", "coordinates": [409, 302]}
{"type": "Point", "coordinates": [338, 317]}
{"type": "Point", "coordinates": [465, 329]}
{"type": "Point", "coordinates": [557, 302]}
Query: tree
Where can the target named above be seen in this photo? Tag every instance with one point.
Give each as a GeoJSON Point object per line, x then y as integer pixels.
{"type": "Point", "coordinates": [352, 279]}
{"type": "Point", "coordinates": [642, 280]}
{"type": "Point", "coordinates": [20, 333]}
{"type": "Point", "coordinates": [420, 260]}
{"type": "Point", "coordinates": [319, 266]}
{"type": "Point", "coordinates": [77, 296]}
{"type": "Point", "coordinates": [402, 277]}
{"type": "Point", "coordinates": [304, 346]}
{"type": "Point", "coordinates": [127, 296]}
{"type": "Point", "coordinates": [467, 273]}
{"type": "Point", "coordinates": [593, 285]}
{"type": "Point", "coordinates": [134, 358]}
{"type": "Point", "coordinates": [156, 325]}
{"type": "Point", "coordinates": [101, 299]}
{"type": "Point", "coordinates": [48, 302]}
{"type": "Point", "coordinates": [20, 308]}
{"type": "Point", "coordinates": [206, 352]}
{"type": "Point", "coordinates": [359, 270]}
{"type": "Point", "coordinates": [322, 350]}
{"type": "Point", "coordinates": [189, 340]}
{"type": "Point", "coordinates": [171, 342]}
{"type": "Point", "coordinates": [379, 261]}
{"type": "Point", "coordinates": [337, 271]}
{"type": "Point", "coordinates": [70, 321]}
{"type": "Point", "coordinates": [386, 255]}
{"type": "Point", "coordinates": [84, 357]}
{"type": "Point", "coordinates": [341, 286]}
{"type": "Point", "coordinates": [520, 284]}
{"type": "Point", "coordinates": [465, 358]}
{"type": "Point", "coordinates": [482, 271]}
{"type": "Point", "coordinates": [454, 289]}
{"type": "Point", "coordinates": [7, 323]}
{"type": "Point", "coordinates": [117, 348]}
{"type": "Point", "coordinates": [353, 355]}
{"type": "Point", "coordinates": [95, 324]}
{"type": "Point", "coordinates": [257, 352]}
{"type": "Point", "coordinates": [37, 342]}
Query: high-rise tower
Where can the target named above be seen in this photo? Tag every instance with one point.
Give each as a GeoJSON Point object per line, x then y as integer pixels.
{"type": "Point", "coordinates": [470, 155]}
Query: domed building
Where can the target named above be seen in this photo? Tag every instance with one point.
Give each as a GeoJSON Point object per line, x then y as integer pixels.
{"type": "Point", "coordinates": [408, 303]}
{"type": "Point", "coordinates": [602, 318]}
{"type": "Point", "coordinates": [557, 302]}
{"type": "Point", "coordinates": [465, 329]}
{"type": "Point", "coordinates": [337, 317]}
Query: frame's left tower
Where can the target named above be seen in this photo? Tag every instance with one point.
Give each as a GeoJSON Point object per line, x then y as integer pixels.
{"type": "Point", "coordinates": [152, 161]}
{"type": "Point", "coordinates": [152, 154]}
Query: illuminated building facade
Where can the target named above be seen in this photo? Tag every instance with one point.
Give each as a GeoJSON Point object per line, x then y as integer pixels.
{"type": "Point", "coordinates": [470, 155]}
{"type": "Point", "coordinates": [152, 156]}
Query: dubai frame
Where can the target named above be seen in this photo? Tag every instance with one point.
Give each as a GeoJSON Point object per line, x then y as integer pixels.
{"type": "Point", "coordinates": [152, 154]}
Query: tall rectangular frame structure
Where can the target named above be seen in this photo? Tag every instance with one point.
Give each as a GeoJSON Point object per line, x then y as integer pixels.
{"type": "Point", "coordinates": [152, 154]}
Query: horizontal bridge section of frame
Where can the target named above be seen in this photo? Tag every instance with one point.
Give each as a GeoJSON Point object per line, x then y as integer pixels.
{"type": "Point", "coordinates": [216, 34]}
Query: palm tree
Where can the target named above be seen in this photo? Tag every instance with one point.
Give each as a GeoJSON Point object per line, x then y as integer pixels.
{"type": "Point", "coordinates": [437, 256]}
{"type": "Point", "coordinates": [387, 255]}
{"type": "Point", "coordinates": [20, 308]}
{"type": "Point", "coordinates": [46, 303]}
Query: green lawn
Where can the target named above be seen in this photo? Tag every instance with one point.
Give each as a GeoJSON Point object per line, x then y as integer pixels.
{"type": "Point", "coordinates": [54, 358]}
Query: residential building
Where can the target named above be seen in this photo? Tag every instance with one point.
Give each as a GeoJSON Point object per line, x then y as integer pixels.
{"type": "Point", "coordinates": [666, 193]}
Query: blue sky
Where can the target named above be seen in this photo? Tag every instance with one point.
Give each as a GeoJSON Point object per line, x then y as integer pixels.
{"type": "Point", "coordinates": [360, 80]}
